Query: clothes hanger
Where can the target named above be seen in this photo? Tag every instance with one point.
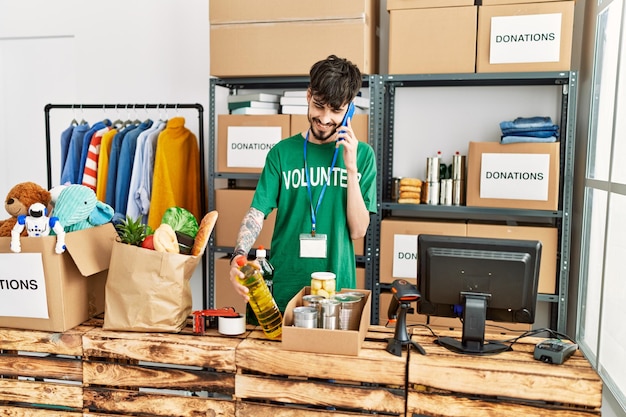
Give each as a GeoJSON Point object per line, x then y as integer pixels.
{"type": "Point", "coordinates": [74, 122]}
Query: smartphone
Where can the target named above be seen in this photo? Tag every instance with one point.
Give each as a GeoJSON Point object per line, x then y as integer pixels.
{"type": "Point", "coordinates": [348, 116]}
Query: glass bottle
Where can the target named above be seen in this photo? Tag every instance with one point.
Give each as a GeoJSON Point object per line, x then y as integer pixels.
{"type": "Point", "coordinates": [261, 300]}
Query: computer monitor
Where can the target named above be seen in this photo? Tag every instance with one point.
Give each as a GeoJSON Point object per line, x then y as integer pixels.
{"type": "Point", "coordinates": [478, 279]}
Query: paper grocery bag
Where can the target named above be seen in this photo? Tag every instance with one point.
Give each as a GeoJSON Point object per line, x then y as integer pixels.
{"type": "Point", "coordinates": [148, 291]}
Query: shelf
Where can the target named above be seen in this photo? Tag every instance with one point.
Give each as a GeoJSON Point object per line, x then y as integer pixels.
{"type": "Point", "coordinates": [482, 79]}
{"type": "Point", "coordinates": [472, 213]}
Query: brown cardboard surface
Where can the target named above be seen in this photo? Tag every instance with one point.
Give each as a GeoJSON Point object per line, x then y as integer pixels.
{"type": "Point", "coordinates": [248, 38]}
{"type": "Point", "coordinates": [548, 236]}
{"type": "Point", "coordinates": [486, 13]}
{"type": "Point", "coordinates": [226, 120]}
{"type": "Point", "coordinates": [420, 4]}
{"type": "Point", "coordinates": [231, 11]}
{"type": "Point", "coordinates": [411, 317]}
{"type": "Point", "coordinates": [225, 295]}
{"type": "Point", "coordinates": [337, 342]}
{"type": "Point", "coordinates": [497, 2]}
{"type": "Point", "coordinates": [360, 125]}
{"type": "Point", "coordinates": [432, 40]}
{"type": "Point", "coordinates": [71, 297]}
{"type": "Point", "coordinates": [290, 48]}
{"type": "Point", "coordinates": [232, 205]}
{"type": "Point", "coordinates": [476, 149]}
{"type": "Point", "coordinates": [396, 226]}
{"type": "Point", "coordinates": [360, 278]}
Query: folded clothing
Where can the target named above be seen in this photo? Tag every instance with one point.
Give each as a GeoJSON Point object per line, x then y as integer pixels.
{"type": "Point", "coordinates": [529, 129]}
{"type": "Point", "coordinates": [529, 139]}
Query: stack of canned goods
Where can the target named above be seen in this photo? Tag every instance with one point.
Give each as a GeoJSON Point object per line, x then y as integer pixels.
{"type": "Point", "coordinates": [337, 311]}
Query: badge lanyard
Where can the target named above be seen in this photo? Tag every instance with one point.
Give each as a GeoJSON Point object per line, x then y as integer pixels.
{"type": "Point", "coordinates": [308, 184]}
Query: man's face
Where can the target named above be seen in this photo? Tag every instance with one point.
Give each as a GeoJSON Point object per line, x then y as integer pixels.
{"type": "Point", "coordinates": [324, 120]}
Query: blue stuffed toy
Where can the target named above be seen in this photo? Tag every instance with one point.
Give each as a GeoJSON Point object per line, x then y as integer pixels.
{"type": "Point", "coordinates": [78, 208]}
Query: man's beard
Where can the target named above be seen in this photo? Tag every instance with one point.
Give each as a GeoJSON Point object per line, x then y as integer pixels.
{"type": "Point", "coordinates": [319, 135]}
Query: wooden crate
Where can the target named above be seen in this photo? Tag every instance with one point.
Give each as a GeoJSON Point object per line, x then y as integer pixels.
{"type": "Point", "coordinates": [41, 373]}
{"type": "Point", "coordinates": [159, 374]}
{"type": "Point", "coordinates": [274, 382]}
{"type": "Point", "coordinates": [445, 383]}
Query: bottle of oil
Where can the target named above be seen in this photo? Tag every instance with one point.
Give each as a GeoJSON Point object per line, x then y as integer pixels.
{"type": "Point", "coordinates": [266, 268]}
{"type": "Point", "coordinates": [261, 300]}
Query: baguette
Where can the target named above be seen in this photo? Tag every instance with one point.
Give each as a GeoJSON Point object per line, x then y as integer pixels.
{"type": "Point", "coordinates": [204, 233]}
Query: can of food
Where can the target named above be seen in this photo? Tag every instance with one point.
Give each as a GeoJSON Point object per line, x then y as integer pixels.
{"type": "Point", "coordinates": [304, 316]}
{"type": "Point", "coordinates": [323, 283]}
{"type": "Point", "coordinates": [458, 167]}
{"type": "Point", "coordinates": [458, 192]}
{"type": "Point", "coordinates": [350, 311]}
{"type": "Point", "coordinates": [395, 189]}
{"type": "Point", "coordinates": [433, 193]}
{"type": "Point", "coordinates": [445, 197]}
{"type": "Point", "coordinates": [330, 309]}
{"type": "Point", "coordinates": [432, 169]}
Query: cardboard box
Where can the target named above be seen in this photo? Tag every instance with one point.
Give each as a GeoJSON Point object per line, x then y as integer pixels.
{"type": "Point", "coordinates": [500, 26]}
{"type": "Point", "coordinates": [398, 245]}
{"type": "Point", "coordinates": [533, 185]}
{"type": "Point", "coordinates": [243, 141]}
{"type": "Point", "coordinates": [74, 280]}
{"type": "Point", "coordinates": [334, 342]}
{"type": "Point", "coordinates": [548, 236]}
{"type": "Point", "coordinates": [282, 38]}
{"type": "Point", "coordinates": [225, 295]}
{"type": "Point", "coordinates": [360, 125]}
{"type": "Point", "coordinates": [497, 2]}
{"type": "Point", "coordinates": [232, 205]}
{"type": "Point", "coordinates": [360, 278]}
{"type": "Point", "coordinates": [432, 36]}
{"type": "Point", "coordinates": [411, 317]}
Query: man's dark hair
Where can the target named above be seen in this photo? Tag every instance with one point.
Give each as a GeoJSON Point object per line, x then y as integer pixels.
{"type": "Point", "coordinates": [335, 81]}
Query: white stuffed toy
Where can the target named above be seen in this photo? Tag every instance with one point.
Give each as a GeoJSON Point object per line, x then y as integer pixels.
{"type": "Point", "coordinates": [37, 223]}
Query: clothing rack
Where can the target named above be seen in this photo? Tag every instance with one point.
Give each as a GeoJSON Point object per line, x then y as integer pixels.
{"type": "Point", "coordinates": [198, 107]}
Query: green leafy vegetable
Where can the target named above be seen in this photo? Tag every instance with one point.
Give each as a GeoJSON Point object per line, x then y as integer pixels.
{"type": "Point", "coordinates": [181, 220]}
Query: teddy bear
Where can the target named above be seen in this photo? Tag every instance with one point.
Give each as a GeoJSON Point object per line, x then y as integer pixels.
{"type": "Point", "coordinates": [17, 202]}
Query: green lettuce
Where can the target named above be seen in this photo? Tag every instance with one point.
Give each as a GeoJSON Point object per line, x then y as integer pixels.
{"type": "Point", "coordinates": [181, 220]}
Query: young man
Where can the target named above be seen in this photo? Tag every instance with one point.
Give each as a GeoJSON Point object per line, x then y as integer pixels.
{"type": "Point", "coordinates": [322, 183]}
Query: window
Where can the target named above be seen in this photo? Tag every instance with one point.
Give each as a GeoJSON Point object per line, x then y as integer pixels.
{"type": "Point", "coordinates": [603, 293]}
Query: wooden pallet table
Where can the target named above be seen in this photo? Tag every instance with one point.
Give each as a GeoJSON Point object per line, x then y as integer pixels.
{"type": "Point", "coordinates": [159, 374]}
{"type": "Point", "coordinates": [444, 383]}
{"type": "Point", "coordinates": [41, 373]}
{"type": "Point", "coordinates": [271, 381]}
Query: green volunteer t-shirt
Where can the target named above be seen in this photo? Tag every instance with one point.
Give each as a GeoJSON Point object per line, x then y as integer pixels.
{"type": "Point", "coordinates": [283, 186]}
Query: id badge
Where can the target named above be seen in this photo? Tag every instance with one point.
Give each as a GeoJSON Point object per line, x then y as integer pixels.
{"type": "Point", "coordinates": [312, 246]}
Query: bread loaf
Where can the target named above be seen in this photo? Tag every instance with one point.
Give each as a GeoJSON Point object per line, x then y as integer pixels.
{"type": "Point", "coordinates": [165, 239]}
{"type": "Point", "coordinates": [204, 233]}
{"type": "Point", "coordinates": [414, 182]}
{"type": "Point", "coordinates": [409, 200]}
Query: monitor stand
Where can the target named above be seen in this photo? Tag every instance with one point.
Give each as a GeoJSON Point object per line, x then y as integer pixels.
{"type": "Point", "coordinates": [401, 336]}
{"type": "Point", "coordinates": [473, 337]}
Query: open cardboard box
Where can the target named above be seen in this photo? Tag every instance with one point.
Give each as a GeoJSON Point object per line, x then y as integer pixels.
{"type": "Point", "coordinates": [339, 342]}
{"type": "Point", "coordinates": [74, 280]}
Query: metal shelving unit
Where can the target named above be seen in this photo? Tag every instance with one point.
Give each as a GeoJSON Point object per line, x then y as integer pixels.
{"type": "Point", "coordinates": [374, 85]}
{"type": "Point", "coordinates": [567, 83]}
{"type": "Point", "coordinates": [382, 90]}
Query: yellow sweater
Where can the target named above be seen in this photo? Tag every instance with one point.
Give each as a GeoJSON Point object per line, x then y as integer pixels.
{"type": "Point", "coordinates": [103, 163]}
{"type": "Point", "coordinates": [176, 178]}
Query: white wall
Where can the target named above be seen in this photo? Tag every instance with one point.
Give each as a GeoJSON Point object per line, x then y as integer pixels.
{"type": "Point", "coordinates": [92, 52]}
